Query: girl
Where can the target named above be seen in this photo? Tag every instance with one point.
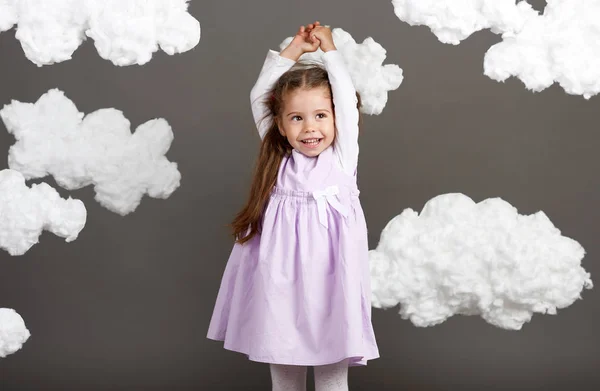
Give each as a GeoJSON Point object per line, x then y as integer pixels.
{"type": "Point", "coordinates": [296, 289]}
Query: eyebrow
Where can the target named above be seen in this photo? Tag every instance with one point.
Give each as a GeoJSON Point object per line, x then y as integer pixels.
{"type": "Point", "coordinates": [297, 112]}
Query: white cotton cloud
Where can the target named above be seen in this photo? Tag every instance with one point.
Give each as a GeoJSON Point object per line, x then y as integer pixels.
{"type": "Point", "coordinates": [54, 138]}
{"type": "Point", "coordinates": [25, 212]}
{"type": "Point", "coordinates": [50, 31]}
{"type": "Point", "coordinates": [128, 32]}
{"type": "Point", "coordinates": [8, 14]}
{"type": "Point", "coordinates": [125, 32]}
{"type": "Point", "coordinates": [13, 333]}
{"type": "Point", "coordinates": [462, 257]}
{"type": "Point", "coordinates": [561, 45]}
{"type": "Point", "coordinates": [372, 80]}
{"type": "Point", "coordinates": [453, 21]}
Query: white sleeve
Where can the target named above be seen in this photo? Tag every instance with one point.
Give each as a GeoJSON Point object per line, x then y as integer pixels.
{"type": "Point", "coordinates": [273, 67]}
{"type": "Point", "coordinates": [346, 112]}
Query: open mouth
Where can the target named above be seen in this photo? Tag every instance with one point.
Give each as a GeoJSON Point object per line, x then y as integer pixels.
{"type": "Point", "coordinates": [312, 142]}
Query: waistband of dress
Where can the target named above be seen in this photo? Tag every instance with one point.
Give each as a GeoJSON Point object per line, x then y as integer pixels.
{"type": "Point", "coordinates": [354, 193]}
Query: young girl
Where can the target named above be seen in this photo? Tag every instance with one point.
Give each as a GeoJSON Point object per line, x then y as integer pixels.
{"type": "Point", "coordinates": [296, 289]}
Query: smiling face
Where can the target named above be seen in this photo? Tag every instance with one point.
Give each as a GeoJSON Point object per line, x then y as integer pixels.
{"type": "Point", "coordinates": [307, 120]}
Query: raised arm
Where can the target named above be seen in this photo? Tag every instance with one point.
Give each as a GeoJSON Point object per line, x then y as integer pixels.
{"type": "Point", "coordinates": [273, 67]}
{"type": "Point", "coordinates": [276, 64]}
{"type": "Point", "coordinates": [346, 112]}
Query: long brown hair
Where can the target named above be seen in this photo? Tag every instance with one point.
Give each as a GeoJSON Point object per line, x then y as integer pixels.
{"type": "Point", "coordinates": [274, 147]}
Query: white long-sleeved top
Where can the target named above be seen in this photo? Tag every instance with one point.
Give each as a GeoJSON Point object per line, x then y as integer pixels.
{"type": "Point", "coordinates": [345, 145]}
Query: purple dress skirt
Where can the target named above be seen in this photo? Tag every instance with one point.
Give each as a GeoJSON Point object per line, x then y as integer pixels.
{"type": "Point", "coordinates": [299, 293]}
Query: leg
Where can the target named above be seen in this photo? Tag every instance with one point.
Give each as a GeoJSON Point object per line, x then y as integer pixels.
{"type": "Point", "coordinates": [288, 377]}
{"type": "Point", "coordinates": [332, 377]}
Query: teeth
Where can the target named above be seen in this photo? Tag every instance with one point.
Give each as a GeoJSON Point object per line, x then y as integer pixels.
{"type": "Point", "coordinates": [311, 141]}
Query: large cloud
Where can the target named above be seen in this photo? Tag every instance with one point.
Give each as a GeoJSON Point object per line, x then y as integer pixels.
{"type": "Point", "coordinates": [372, 80]}
{"type": "Point", "coordinates": [13, 333]}
{"type": "Point", "coordinates": [125, 32]}
{"type": "Point", "coordinates": [25, 212]}
{"type": "Point", "coordinates": [462, 257]}
{"type": "Point", "coordinates": [54, 138]}
{"type": "Point", "coordinates": [561, 45]}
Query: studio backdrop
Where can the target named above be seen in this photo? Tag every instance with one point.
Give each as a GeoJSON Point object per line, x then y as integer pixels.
{"type": "Point", "coordinates": [129, 147]}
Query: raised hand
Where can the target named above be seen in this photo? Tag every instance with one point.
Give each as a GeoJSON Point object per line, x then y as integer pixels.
{"type": "Point", "coordinates": [303, 37]}
{"type": "Point", "coordinates": [302, 42]}
{"type": "Point", "coordinates": [322, 35]}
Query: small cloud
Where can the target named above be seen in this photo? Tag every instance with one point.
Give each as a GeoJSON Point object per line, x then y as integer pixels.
{"type": "Point", "coordinates": [13, 333]}
{"type": "Point", "coordinates": [124, 32]}
{"type": "Point", "coordinates": [453, 21]}
{"type": "Point", "coordinates": [372, 80]}
{"type": "Point", "coordinates": [465, 258]}
{"type": "Point", "coordinates": [54, 138]}
{"type": "Point", "coordinates": [25, 212]}
{"type": "Point", "coordinates": [561, 45]}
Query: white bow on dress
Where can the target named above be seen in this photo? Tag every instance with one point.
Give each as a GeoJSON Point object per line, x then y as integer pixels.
{"type": "Point", "coordinates": [328, 196]}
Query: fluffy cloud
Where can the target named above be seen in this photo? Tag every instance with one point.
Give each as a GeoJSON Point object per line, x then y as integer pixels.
{"type": "Point", "coordinates": [26, 212]}
{"type": "Point", "coordinates": [13, 333]}
{"type": "Point", "coordinates": [561, 45]}
{"type": "Point", "coordinates": [372, 80]}
{"type": "Point", "coordinates": [462, 257]}
{"type": "Point", "coordinates": [54, 138]}
{"type": "Point", "coordinates": [125, 32]}
{"type": "Point", "coordinates": [8, 14]}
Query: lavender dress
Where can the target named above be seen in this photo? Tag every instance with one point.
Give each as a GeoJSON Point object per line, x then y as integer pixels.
{"type": "Point", "coordinates": [299, 293]}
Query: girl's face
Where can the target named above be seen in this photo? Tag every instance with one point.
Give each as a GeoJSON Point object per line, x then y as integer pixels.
{"type": "Point", "coordinates": [307, 120]}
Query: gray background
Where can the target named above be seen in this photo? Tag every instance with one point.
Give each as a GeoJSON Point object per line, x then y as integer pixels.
{"type": "Point", "coordinates": [126, 306]}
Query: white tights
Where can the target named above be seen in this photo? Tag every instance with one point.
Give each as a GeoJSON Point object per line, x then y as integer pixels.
{"type": "Point", "coordinates": [332, 377]}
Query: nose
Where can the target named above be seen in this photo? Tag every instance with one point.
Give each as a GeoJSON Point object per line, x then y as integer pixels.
{"type": "Point", "coordinates": [309, 126]}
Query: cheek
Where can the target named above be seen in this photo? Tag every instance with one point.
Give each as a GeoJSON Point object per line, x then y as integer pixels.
{"type": "Point", "coordinates": [293, 131]}
{"type": "Point", "coordinates": [331, 129]}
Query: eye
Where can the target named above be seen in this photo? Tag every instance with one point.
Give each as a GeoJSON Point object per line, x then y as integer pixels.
{"type": "Point", "coordinates": [321, 115]}
{"type": "Point", "coordinates": [296, 118]}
